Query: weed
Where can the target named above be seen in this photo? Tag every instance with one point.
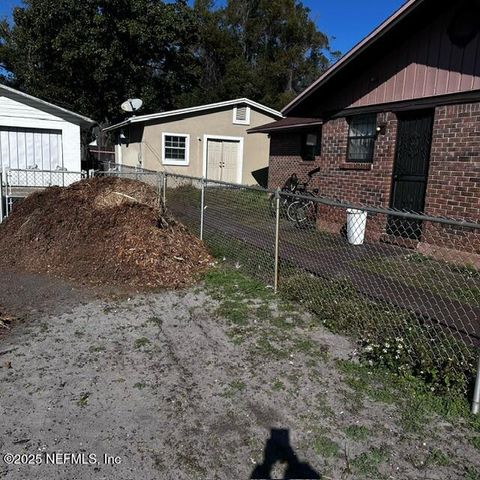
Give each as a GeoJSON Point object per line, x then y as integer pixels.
{"type": "Point", "coordinates": [472, 474]}
{"type": "Point", "coordinates": [141, 342]}
{"type": "Point", "coordinates": [235, 311]}
{"type": "Point", "coordinates": [476, 442]}
{"type": "Point", "coordinates": [157, 321]}
{"type": "Point", "coordinates": [234, 387]}
{"type": "Point", "coordinates": [265, 347]}
{"type": "Point", "coordinates": [357, 432]}
{"type": "Point", "coordinates": [437, 457]}
{"type": "Point", "coordinates": [417, 402]}
{"type": "Point", "coordinates": [83, 400]}
{"type": "Point", "coordinates": [278, 385]}
{"type": "Point", "coordinates": [388, 336]}
{"type": "Point", "coordinates": [139, 385]}
{"type": "Point", "coordinates": [368, 462]}
{"type": "Point", "coordinates": [325, 447]}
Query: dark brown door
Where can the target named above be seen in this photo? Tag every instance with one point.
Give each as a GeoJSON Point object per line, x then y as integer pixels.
{"type": "Point", "coordinates": [410, 171]}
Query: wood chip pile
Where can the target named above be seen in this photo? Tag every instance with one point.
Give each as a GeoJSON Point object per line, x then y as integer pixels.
{"type": "Point", "coordinates": [104, 231]}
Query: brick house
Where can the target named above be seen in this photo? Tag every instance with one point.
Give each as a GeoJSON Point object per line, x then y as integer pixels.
{"type": "Point", "coordinates": [395, 122]}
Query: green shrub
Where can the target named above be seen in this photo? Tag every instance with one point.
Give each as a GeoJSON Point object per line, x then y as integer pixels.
{"type": "Point", "coordinates": [387, 336]}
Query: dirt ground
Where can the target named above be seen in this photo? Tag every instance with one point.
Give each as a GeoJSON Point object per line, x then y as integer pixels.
{"type": "Point", "coordinates": [190, 384]}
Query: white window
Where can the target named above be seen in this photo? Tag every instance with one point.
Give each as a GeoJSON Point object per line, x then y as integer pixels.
{"type": "Point", "coordinates": [241, 115]}
{"type": "Point", "coordinates": [175, 149]}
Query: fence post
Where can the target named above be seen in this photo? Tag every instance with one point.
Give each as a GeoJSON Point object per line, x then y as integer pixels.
{"type": "Point", "coordinates": [164, 190]}
{"type": "Point", "coordinates": [202, 208]}
{"type": "Point", "coordinates": [277, 237]}
{"type": "Point", "coordinates": [476, 393]}
{"type": "Point", "coordinates": [159, 185]}
{"type": "Point", "coordinates": [1, 197]}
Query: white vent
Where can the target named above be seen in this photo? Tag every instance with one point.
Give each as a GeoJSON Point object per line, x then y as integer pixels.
{"type": "Point", "coordinates": [241, 115]}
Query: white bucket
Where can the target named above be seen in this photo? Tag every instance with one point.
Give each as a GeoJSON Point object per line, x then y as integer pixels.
{"type": "Point", "coordinates": [356, 226]}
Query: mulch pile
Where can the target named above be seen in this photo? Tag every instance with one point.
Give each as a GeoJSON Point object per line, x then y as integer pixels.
{"type": "Point", "coordinates": [102, 231]}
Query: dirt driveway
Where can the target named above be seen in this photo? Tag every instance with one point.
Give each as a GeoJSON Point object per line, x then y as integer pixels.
{"type": "Point", "coordinates": [190, 385]}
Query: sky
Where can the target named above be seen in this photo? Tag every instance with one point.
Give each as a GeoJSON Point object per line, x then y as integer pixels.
{"type": "Point", "coordinates": [346, 22]}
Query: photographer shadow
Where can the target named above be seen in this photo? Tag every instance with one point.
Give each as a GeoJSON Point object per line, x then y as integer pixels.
{"type": "Point", "coordinates": [279, 450]}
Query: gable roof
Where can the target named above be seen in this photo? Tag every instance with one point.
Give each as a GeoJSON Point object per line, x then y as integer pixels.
{"type": "Point", "coordinates": [35, 102]}
{"type": "Point", "coordinates": [199, 108]}
{"type": "Point", "coordinates": [358, 49]}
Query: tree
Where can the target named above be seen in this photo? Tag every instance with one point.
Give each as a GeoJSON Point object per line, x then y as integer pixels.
{"type": "Point", "coordinates": [92, 54]}
{"type": "Point", "coordinates": [268, 50]}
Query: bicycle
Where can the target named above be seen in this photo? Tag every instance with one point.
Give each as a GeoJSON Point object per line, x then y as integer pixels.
{"type": "Point", "coordinates": [291, 186]}
{"type": "Point", "coordinates": [304, 211]}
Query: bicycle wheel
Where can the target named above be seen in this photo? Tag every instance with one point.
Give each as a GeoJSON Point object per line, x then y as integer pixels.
{"type": "Point", "coordinates": [292, 208]}
{"type": "Point", "coordinates": [306, 215]}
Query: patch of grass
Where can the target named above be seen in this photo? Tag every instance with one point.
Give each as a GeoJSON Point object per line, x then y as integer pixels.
{"type": "Point", "coordinates": [440, 278]}
{"type": "Point", "coordinates": [388, 336]}
{"type": "Point", "coordinates": [310, 348]}
{"type": "Point", "coordinates": [416, 401]}
{"type": "Point", "coordinates": [283, 322]}
{"type": "Point", "coordinates": [367, 463]}
{"type": "Point", "coordinates": [83, 400]}
{"type": "Point", "coordinates": [325, 447]}
{"type": "Point", "coordinates": [472, 474]}
{"type": "Point", "coordinates": [264, 312]}
{"type": "Point", "coordinates": [140, 385]}
{"type": "Point", "coordinates": [141, 342]}
{"type": "Point", "coordinates": [278, 385]}
{"type": "Point", "coordinates": [357, 432]}
{"type": "Point", "coordinates": [265, 347]}
{"type": "Point", "coordinates": [231, 283]}
{"type": "Point", "coordinates": [157, 321]}
{"type": "Point", "coordinates": [323, 407]}
{"type": "Point", "coordinates": [235, 387]}
{"type": "Point", "coordinates": [235, 311]}
{"type": "Point", "coordinates": [438, 458]}
{"type": "Point", "coordinates": [476, 442]}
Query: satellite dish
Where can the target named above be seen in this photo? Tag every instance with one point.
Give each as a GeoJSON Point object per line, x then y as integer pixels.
{"type": "Point", "coordinates": [132, 105]}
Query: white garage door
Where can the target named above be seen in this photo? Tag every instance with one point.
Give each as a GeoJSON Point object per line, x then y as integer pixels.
{"type": "Point", "coordinates": [223, 160]}
{"type": "Point", "coordinates": [31, 148]}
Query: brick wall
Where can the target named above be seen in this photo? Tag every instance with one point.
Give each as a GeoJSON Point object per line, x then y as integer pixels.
{"type": "Point", "coordinates": [367, 184]}
{"type": "Point", "coordinates": [358, 183]}
{"type": "Point", "coordinates": [453, 188]}
{"type": "Point", "coordinates": [454, 180]}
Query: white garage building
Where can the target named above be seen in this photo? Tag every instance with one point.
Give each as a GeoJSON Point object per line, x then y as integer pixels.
{"type": "Point", "coordinates": [40, 137]}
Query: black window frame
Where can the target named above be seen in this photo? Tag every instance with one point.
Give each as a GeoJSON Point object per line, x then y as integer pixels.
{"type": "Point", "coordinates": [310, 152]}
{"type": "Point", "coordinates": [372, 137]}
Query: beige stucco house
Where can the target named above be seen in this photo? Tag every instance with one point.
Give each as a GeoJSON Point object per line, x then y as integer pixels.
{"type": "Point", "coordinates": [208, 140]}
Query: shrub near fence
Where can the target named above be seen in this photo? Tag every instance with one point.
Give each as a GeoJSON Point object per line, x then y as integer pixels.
{"type": "Point", "coordinates": [408, 295]}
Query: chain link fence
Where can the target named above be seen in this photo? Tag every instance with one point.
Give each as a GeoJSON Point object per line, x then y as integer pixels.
{"type": "Point", "coordinates": [404, 286]}
{"type": "Point", "coordinates": [18, 183]}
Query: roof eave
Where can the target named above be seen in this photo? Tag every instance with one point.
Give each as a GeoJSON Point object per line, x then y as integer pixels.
{"type": "Point", "coordinates": [300, 126]}
{"type": "Point", "coordinates": [359, 48]}
{"type": "Point", "coordinates": [197, 109]}
{"type": "Point", "coordinates": [80, 119]}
